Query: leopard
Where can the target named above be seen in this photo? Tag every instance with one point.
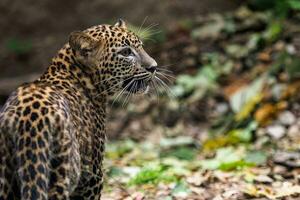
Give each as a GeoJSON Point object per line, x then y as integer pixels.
{"type": "Point", "coordinates": [52, 129]}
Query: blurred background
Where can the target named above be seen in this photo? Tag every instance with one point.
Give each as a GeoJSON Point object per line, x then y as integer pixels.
{"type": "Point", "coordinates": [225, 125]}
{"type": "Point", "coordinates": [32, 32]}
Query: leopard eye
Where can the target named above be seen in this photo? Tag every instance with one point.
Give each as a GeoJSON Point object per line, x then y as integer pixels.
{"type": "Point", "coordinates": [126, 52]}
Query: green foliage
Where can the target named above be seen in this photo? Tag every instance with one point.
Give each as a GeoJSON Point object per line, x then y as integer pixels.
{"type": "Point", "coordinates": [243, 101]}
{"type": "Point", "coordinates": [18, 46]}
{"type": "Point", "coordinates": [281, 8]}
{"type": "Point", "coordinates": [205, 80]}
{"type": "Point", "coordinates": [182, 153]}
{"type": "Point", "coordinates": [294, 4]}
{"type": "Point", "coordinates": [247, 83]}
{"type": "Point", "coordinates": [119, 149]}
{"type": "Point", "coordinates": [229, 158]}
{"type": "Point", "coordinates": [182, 148]}
{"type": "Point", "coordinates": [256, 157]}
{"type": "Point", "coordinates": [152, 175]}
{"type": "Point", "coordinates": [180, 189]}
{"type": "Point", "coordinates": [114, 171]}
{"type": "Point", "coordinates": [176, 142]}
{"type": "Point", "coordinates": [262, 4]}
{"type": "Point", "coordinates": [273, 31]}
{"type": "Point", "coordinates": [147, 176]}
{"type": "Point", "coordinates": [288, 63]}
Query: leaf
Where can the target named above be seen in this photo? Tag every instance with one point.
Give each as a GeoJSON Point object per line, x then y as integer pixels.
{"type": "Point", "coordinates": [182, 153]}
{"type": "Point", "coordinates": [287, 190]}
{"type": "Point", "coordinates": [176, 167]}
{"type": "Point", "coordinates": [180, 190]}
{"type": "Point", "coordinates": [237, 51]}
{"type": "Point", "coordinates": [246, 97]}
{"type": "Point", "coordinates": [115, 171]}
{"type": "Point", "coordinates": [248, 107]}
{"type": "Point", "coordinates": [255, 41]}
{"type": "Point", "coordinates": [147, 175]}
{"type": "Point", "coordinates": [211, 29]}
{"type": "Point", "coordinates": [257, 157]}
{"type": "Point", "coordinates": [218, 142]}
{"type": "Point", "coordinates": [278, 192]}
{"type": "Point", "coordinates": [153, 175]}
{"type": "Point", "coordinates": [223, 156]}
{"type": "Point", "coordinates": [131, 171]}
{"type": "Point", "coordinates": [265, 113]}
{"type": "Point", "coordinates": [241, 135]}
{"type": "Point", "coordinates": [235, 165]}
{"type": "Point", "coordinates": [177, 141]}
{"type": "Point", "coordinates": [178, 90]}
{"type": "Point", "coordinates": [273, 31]}
{"type": "Point", "coordinates": [291, 90]}
{"type": "Point", "coordinates": [116, 150]}
{"type": "Point", "coordinates": [232, 137]}
{"type": "Point", "coordinates": [229, 158]}
{"type": "Point", "coordinates": [294, 4]}
{"type": "Point", "coordinates": [210, 164]}
{"type": "Point", "coordinates": [292, 67]}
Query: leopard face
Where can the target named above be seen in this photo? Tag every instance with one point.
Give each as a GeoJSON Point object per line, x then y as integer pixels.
{"type": "Point", "coordinates": [114, 57]}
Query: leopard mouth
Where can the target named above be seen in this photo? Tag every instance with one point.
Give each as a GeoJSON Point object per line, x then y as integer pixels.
{"type": "Point", "coordinates": [136, 86]}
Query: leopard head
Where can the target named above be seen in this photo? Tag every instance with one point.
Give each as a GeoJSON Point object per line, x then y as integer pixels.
{"type": "Point", "coordinates": [114, 57]}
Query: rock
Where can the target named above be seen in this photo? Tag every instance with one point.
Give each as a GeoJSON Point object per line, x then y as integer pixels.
{"type": "Point", "coordinates": [287, 118]}
{"type": "Point", "coordinates": [294, 132]}
{"type": "Point", "coordinates": [263, 179]}
{"type": "Point", "coordinates": [222, 108]}
{"type": "Point", "coordinates": [276, 131]}
{"type": "Point", "coordinates": [277, 90]}
{"type": "Point", "coordinates": [261, 132]}
{"type": "Point", "coordinates": [232, 193]}
{"type": "Point", "coordinates": [279, 169]}
{"type": "Point", "coordinates": [291, 49]}
{"type": "Point", "coordinates": [288, 159]}
{"type": "Point", "coordinates": [298, 123]}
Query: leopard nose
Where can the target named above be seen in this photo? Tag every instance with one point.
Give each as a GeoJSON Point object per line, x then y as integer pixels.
{"type": "Point", "coordinates": [151, 68]}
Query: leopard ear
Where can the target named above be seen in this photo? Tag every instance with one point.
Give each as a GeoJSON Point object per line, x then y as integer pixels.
{"type": "Point", "coordinates": [121, 23]}
{"type": "Point", "coordinates": [81, 42]}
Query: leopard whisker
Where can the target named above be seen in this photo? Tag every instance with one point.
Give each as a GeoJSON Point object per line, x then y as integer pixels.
{"type": "Point", "coordinates": [167, 76]}
{"type": "Point", "coordinates": [168, 65]}
{"type": "Point", "coordinates": [129, 94]}
{"type": "Point", "coordinates": [150, 26]}
{"type": "Point", "coordinates": [155, 89]}
{"type": "Point", "coordinates": [161, 87]}
{"type": "Point", "coordinates": [166, 87]}
{"type": "Point", "coordinates": [113, 86]}
{"type": "Point", "coordinates": [164, 70]}
{"type": "Point", "coordinates": [141, 26]}
{"type": "Point", "coordinates": [153, 32]}
{"type": "Point", "coordinates": [142, 76]}
{"type": "Point", "coordinates": [122, 91]}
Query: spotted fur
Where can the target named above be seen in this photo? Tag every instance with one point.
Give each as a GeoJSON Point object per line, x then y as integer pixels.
{"type": "Point", "coordinates": [52, 131]}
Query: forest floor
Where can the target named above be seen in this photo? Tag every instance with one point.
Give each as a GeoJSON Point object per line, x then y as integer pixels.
{"type": "Point", "coordinates": [227, 125]}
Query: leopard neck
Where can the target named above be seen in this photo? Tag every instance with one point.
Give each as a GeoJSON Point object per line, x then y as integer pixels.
{"type": "Point", "coordinates": [64, 69]}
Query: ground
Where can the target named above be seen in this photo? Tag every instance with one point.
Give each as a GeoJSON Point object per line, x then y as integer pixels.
{"type": "Point", "coordinates": [228, 127]}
